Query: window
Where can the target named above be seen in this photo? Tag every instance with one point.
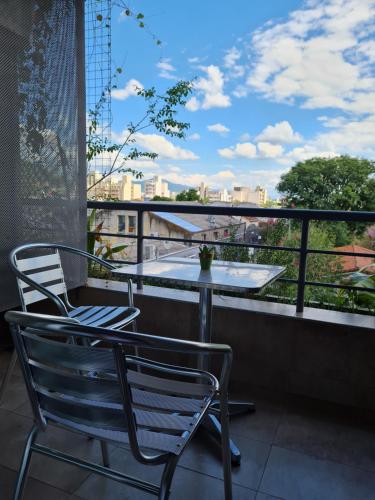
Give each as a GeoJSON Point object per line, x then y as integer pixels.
{"type": "Point", "coordinates": [226, 233]}
{"type": "Point", "coordinates": [121, 223]}
{"type": "Point", "coordinates": [216, 235]}
{"type": "Point", "coordinates": [131, 223]}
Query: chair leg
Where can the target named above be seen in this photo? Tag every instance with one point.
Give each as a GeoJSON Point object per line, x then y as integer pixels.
{"type": "Point", "coordinates": [166, 480]}
{"type": "Point", "coordinates": [105, 454]}
{"type": "Point", "coordinates": [225, 444]}
{"type": "Point", "coordinates": [8, 375]}
{"type": "Point", "coordinates": [24, 467]}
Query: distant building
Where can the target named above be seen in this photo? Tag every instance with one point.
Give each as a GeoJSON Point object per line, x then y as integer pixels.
{"type": "Point", "coordinates": [113, 187]}
{"type": "Point", "coordinates": [203, 191]}
{"type": "Point", "coordinates": [156, 187]}
{"type": "Point", "coordinates": [213, 195]}
{"type": "Point", "coordinates": [187, 226]}
{"type": "Point", "coordinates": [242, 194]}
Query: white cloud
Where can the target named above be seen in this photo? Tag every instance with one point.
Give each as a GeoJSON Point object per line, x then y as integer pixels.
{"type": "Point", "coordinates": [226, 174]}
{"type": "Point", "coordinates": [219, 128]}
{"type": "Point", "coordinates": [161, 146]}
{"type": "Point", "coordinates": [280, 133]}
{"type": "Point", "coordinates": [240, 150]}
{"type": "Point", "coordinates": [166, 65]}
{"type": "Point", "coordinates": [267, 178]}
{"type": "Point", "coordinates": [303, 153]}
{"type": "Point", "coordinates": [240, 91]}
{"type": "Point", "coordinates": [321, 56]}
{"type": "Point", "coordinates": [167, 69]}
{"type": "Point", "coordinates": [131, 89]}
{"type": "Point", "coordinates": [210, 91]}
{"type": "Point", "coordinates": [251, 151]}
{"type": "Point", "coordinates": [341, 136]}
{"type": "Point", "coordinates": [194, 137]}
{"type": "Point", "coordinates": [220, 179]}
{"type": "Point", "coordinates": [245, 137]}
{"type": "Point", "coordinates": [231, 63]}
{"type": "Point", "coordinates": [268, 150]}
{"type": "Point", "coordinates": [193, 104]}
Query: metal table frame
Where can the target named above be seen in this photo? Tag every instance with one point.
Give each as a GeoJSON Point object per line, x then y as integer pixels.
{"type": "Point", "coordinates": [212, 423]}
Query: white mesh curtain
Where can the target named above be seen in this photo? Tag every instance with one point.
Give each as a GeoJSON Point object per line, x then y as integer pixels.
{"type": "Point", "coordinates": [42, 131]}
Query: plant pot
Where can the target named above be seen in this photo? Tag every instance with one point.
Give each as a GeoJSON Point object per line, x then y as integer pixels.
{"type": "Point", "coordinates": [206, 261]}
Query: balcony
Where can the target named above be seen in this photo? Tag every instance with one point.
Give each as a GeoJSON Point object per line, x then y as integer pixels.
{"type": "Point", "coordinates": [310, 371]}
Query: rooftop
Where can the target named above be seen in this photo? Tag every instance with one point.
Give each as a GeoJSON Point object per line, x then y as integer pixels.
{"type": "Point", "coordinates": [195, 223]}
{"type": "Point", "coordinates": [352, 263]}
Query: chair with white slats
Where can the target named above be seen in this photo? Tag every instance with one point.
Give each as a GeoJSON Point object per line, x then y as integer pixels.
{"type": "Point", "coordinates": [40, 275]}
{"type": "Point", "coordinates": [99, 392]}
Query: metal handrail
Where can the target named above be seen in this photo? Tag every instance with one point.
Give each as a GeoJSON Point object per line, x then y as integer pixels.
{"type": "Point", "coordinates": [303, 215]}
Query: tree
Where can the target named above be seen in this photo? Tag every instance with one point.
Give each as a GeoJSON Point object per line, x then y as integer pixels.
{"type": "Point", "coordinates": [234, 254]}
{"type": "Point", "coordinates": [161, 198]}
{"type": "Point", "coordinates": [188, 195]}
{"type": "Point", "coordinates": [160, 113]}
{"type": "Point", "coordinates": [340, 183]}
{"type": "Point", "coordinates": [320, 268]}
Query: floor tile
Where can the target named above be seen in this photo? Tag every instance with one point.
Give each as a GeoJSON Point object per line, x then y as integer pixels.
{"type": "Point", "coordinates": [33, 490]}
{"type": "Point", "coordinates": [325, 437]}
{"type": "Point", "coordinates": [13, 433]}
{"type": "Point", "coordinates": [202, 456]}
{"type": "Point", "coordinates": [56, 473]}
{"type": "Point", "coordinates": [187, 484]}
{"type": "Point", "coordinates": [295, 476]}
{"type": "Point", "coordinates": [261, 424]}
{"type": "Point", "coordinates": [15, 394]}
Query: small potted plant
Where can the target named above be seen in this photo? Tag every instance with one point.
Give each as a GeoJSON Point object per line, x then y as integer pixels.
{"type": "Point", "coordinates": [206, 255]}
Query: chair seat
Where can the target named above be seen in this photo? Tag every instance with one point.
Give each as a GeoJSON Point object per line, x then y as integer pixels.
{"type": "Point", "coordinates": [105, 316]}
{"type": "Point", "coordinates": [166, 412]}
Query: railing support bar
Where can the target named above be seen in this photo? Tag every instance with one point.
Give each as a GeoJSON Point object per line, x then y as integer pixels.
{"type": "Point", "coordinates": [302, 265]}
{"type": "Point", "coordinates": [140, 245]}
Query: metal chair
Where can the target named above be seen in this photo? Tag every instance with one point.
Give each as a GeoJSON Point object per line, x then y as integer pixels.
{"type": "Point", "coordinates": [98, 391]}
{"type": "Point", "coordinates": [41, 276]}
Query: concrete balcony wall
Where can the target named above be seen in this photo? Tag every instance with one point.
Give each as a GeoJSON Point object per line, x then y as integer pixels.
{"type": "Point", "coordinates": [319, 354]}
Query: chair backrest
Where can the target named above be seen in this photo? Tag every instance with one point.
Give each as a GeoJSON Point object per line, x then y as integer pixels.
{"type": "Point", "coordinates": [41, 275]}
{"type": "Point", "coordinates": [44, 270]}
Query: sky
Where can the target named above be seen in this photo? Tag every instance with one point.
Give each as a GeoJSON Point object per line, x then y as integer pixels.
{"type": "Point", "coordinates": [275, 82]}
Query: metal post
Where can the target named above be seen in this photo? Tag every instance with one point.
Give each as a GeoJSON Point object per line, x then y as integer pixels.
{"type": "Point", "coordinates": [205, 321]}
{"type": "Point", "coordinates": [140, 245]}
{"type": "Point", "coordinates": [302, 265]}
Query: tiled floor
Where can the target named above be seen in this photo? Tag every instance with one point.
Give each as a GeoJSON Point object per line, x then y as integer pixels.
{"type": "Point", "coordinates": [287, 452]}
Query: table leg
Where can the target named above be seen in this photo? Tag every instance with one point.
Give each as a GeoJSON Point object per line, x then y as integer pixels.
{"type": "Point", "coordinates": [212, 423]}
{"type": "Point", "coordinates": [205, 322]}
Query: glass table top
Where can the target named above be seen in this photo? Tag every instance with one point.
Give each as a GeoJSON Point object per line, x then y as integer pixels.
{"type": "Point", "coordinates": [231, 276]}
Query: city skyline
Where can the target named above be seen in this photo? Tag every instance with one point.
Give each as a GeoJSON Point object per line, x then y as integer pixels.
{"type": "Point", "coordinates": [283, 82]}
{"type": "Point", "coordinates": [124, 187]}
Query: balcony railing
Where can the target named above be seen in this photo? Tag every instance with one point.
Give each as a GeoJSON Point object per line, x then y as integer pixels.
{"type": "Point", "coordinates": [302, 215]}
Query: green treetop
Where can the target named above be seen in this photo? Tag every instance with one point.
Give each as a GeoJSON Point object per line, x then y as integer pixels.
{"type": "Point", "coordinates": [340, 183]}
{"type": "Point", "coordinates": [188, 195]}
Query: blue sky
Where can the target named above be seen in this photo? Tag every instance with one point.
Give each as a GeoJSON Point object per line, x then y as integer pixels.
{"type": "Point", "coordinates": [275, 82]}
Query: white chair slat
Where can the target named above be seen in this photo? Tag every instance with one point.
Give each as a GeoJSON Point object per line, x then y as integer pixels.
{"type": "Point", "coordinates": [34, 295]}
{"type": "Point", "coordinates": [52, 259]}
{"type": "Point", "coordinates": [44, 277]}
